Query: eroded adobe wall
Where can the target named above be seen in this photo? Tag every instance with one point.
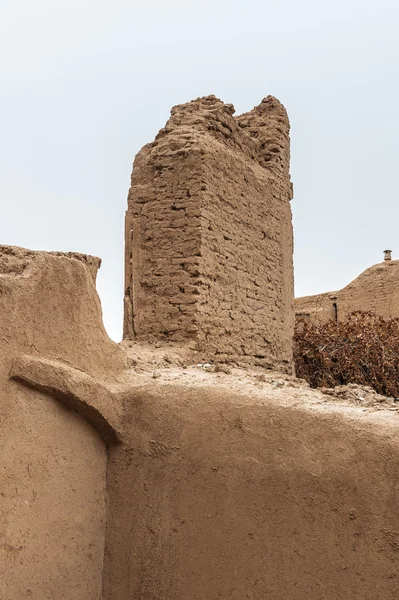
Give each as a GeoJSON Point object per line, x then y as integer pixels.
{"type": "Point", "coordinates": [220, 493]}
{"type": "Point", "coordinates": [376, 289]}
{"type": "Point", "coordinates": [246, 303]}
{"type": "Point", "coordinates": [209, 235]}
{"type": "Point", "coordinates": [53, 462]}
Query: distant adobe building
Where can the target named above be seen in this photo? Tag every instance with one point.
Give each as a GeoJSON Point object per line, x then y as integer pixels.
{"type": "Point", "coordinates": [376, 289]}
{"type": "Point", "coordinates": [209, 234]}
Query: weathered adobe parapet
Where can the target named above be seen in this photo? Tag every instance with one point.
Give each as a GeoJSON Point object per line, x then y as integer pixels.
{"type": "Point", "coordinates": [14, 259]}
{"type": "Point", "coordinates": [209, 234]}
{"type": "Point", "coordinates": [49, 306]}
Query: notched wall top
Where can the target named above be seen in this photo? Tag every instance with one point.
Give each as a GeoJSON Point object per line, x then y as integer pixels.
{"type": "Point", "coordinates": [49, 306]}
{"type": "Point", "coordinates": [209, 234]}
{"type": "Point", "coordinates": [14, 260]}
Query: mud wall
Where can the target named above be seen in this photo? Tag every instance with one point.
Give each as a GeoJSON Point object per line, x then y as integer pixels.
{"type": "Point", "coordinates": [53, 462]}
{"type": "Point", "coordinates": [52, 505]}
{"type": "Point", "coordinates": [320, 308]}
{"type": "Point", "coordinates": [214, 488]}
{"type": "Point", "coordinates": [209, 234]}
{"type": "Point", "coordinates": [224, 495]}
{"type": "Point", "coordinates": [376, 289]}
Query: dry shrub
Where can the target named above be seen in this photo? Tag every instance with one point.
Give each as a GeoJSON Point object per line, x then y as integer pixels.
{"type": "Point", "coordinates": [363, 349]}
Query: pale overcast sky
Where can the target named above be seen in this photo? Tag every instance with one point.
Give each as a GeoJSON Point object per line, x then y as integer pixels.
{"type": "Point", "coordinates": [86, 83]}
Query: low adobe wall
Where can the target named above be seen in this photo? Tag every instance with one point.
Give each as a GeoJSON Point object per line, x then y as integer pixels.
{"type": "Point", "coordinates": [222, 493]}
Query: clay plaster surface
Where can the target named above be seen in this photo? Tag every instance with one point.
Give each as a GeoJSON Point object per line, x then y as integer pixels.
{"type": "Point", "coordinates": [247, 486]}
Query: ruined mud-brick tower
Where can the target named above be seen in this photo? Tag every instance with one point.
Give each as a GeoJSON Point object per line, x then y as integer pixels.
{"type": "Point", "coordinates": [209, 234]}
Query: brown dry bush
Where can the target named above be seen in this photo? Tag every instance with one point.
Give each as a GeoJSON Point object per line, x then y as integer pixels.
{"type": "Point", "coordinates": [363, 349]}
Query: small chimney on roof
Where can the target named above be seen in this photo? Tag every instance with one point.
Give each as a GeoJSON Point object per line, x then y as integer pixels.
{"type": "Point", "coordinates": [387, 255]}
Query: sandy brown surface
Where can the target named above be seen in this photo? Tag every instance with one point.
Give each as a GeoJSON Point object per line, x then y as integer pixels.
{"type": "Point", "coordinates": [53, 460]}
